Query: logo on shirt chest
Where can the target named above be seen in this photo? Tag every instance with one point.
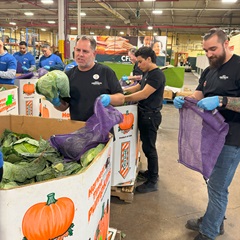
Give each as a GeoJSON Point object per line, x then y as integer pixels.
{"type": "Point", "coordinates": [223, 77]}
{"type": "Point", "coordinates": [96, 77]}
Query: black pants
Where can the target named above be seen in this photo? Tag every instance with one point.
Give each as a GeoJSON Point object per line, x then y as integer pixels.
{"type": "Point", "coordinates": [1, 173]}
{"type": "Point", "coordinates": [148, 123]}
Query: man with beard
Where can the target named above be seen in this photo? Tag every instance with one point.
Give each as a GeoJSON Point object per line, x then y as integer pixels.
{"type": "Point", "coordinates": [219, 87]}
{"type": "Point", "coordinates": [25, 60]}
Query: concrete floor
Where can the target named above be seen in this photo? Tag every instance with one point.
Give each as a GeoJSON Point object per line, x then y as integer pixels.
{"type": "Point", "coordinates": [182, 193]}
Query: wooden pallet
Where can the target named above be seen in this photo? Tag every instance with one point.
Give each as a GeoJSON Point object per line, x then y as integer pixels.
{"type": "Point", "coordinates": [124, 193]}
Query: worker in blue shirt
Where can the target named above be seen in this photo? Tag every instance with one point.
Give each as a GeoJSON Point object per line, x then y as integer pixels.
{"type": "Point", "coordinates": [25, 60]}
{"type": "Point", "coordinates": [49, 60]}
{"type": "Point", "coordinates": [70, 66]}
{"type": "Point", "coordinates": [8, 66]}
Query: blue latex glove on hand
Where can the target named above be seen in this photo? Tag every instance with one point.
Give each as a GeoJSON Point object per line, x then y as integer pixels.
{"type": "Point", "coordinates": [1, 159]}
{"type": "Point", "coordinates": [124, 78]}
{"type": "Point", "coordinates": [25, 69]}
{"type": "Point", "coordinates": [209, 103]}
{"type": "Point", "coordinates": [55, 101]}
{"type": "Point", "coordinates": [47, 67]}
{"type": "Point", "coordinates": [105, 100]}
{"type": "Point", "coordinates": [178, 102]}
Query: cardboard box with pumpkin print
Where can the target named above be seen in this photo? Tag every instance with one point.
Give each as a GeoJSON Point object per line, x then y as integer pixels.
{"type": "Point", "coordinates": [29, 100]}
{"type": "Point", "coordinates": [125, 147]}
{"type": "Point", "coordinates": [68, 208]}
{"type": "Point", "coordinates": [8, 99]}
{"type": "Point", "coordinates": [33, 104]}
{"type": "Point", "coordinates": [48, 111]}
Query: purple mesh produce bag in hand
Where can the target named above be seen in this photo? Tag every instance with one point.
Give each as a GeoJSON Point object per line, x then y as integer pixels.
{"type": "Point", "coordinates": [96, 131]}
{"type": "Point", "coordinates": [201, 137]}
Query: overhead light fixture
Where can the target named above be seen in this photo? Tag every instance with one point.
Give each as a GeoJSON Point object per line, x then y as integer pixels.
{"type": "Point", "coordinates": [154, 34]}
{"type": "Point", "coordinates": [150, 28]}
{"type": "Point", "coordinates": [149, 0]}
{"type": "Point", "coordinates": [229, 1]}
{"type": "Point", "coordinates": [107, 27]}
{"type": "Point", "coordinates": [73, 28]}
{"type": "Point", "coordinates": [82, 14]}
{"type": "Point", "coordinates": [121, 33]}
{"type": "Point", "coordinates": [43, 29]}
{"type": "Point", "coordinates": [51, 22]}
{"type": "Point", "coordinates": [157, 11]}
{"type": "Point", "coordinates": [91, 33]}
{"type": "Point", "coordinates": [12, 23]}
{"type": "Point", "coordinates": [47, 1]}
{"type": "Point", "coordinates": [28, 13]}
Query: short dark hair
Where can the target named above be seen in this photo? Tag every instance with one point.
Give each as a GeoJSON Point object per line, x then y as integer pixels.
{"type": "Point", "coordinates": [92, 41]}
{"type": "Point", "coordinates": [222, 36]}
{"type": "Point", "coordinates": [23, 43]}
{"type": "Point", "coordinates": [146, 52]}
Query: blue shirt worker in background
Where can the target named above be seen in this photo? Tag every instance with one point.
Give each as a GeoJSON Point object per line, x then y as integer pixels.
{"type": "Point", "coordinates": [25, 60]}
{"type": "Point", "coordinates": [71, 64]}
{"type": "Point", "coordinates": [49, 60]}
{"type": "Point", "coordinates": [8, 66]}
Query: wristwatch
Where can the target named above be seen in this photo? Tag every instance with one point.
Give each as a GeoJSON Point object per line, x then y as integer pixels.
{"type": "Point", "coordinates": [223, 100]}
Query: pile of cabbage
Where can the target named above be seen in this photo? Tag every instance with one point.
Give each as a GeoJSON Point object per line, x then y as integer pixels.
{"type": "Point", "coordinates": [27, 160]}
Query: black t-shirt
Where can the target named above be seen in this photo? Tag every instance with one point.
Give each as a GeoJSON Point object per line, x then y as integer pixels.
{"type": "Point", "coordinates": [86, 86]}
{"type": "Point", "coordinates": [156, 79]}
{"type": "Point", "coordinates": [224, 81]}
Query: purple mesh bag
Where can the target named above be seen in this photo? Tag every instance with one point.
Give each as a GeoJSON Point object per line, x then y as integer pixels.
{"type": "Point", "coordinates": [19, 67]}
{"type": "Point", "coordinates": [201, 137]}
{"type": "Point", "coordinates": [41, 72]}
{"type": "Point", "coordinates": [25, 76]}
{"type": "Point", "coordinates": [96, 131]}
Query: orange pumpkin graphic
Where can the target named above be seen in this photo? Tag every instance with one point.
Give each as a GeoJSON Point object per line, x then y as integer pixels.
{"type": "Point", "coordinates": [127, 123]}
{"type": "Point", "coordinates": [102, 229]}
{"type": "Point", "coordinates": [49, 220]}
{"type": "Point", "coordinates": [28, 88]}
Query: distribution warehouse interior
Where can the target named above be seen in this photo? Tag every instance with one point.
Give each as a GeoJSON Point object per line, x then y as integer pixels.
{"type": "Point", "coordinates": [176, 28]}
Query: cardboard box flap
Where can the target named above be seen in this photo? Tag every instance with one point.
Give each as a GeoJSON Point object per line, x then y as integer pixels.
{"type": "Point", "coordinates": [8, 86]}
{"type": "Point", "coordinates": [39, 127]}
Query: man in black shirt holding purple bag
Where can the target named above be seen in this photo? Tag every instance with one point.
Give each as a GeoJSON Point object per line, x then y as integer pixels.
{"type": "Point", "coordinates": [219, 87]}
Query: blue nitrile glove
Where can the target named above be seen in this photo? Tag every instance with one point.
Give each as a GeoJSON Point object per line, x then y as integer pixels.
{"type": "Point", "coordinates": [124, 78]}
{"type": "Point", "coordinates": [1, 159]}
{"type": "Point", "coordinates": [47, 67]}
{"type": "Point", "coordinates": [55, 101]}
{"type": "Point", "coordinates": [209, 103]}
{"type": "Point", "coordinates": [178, 102]}
{"type": "Point", "coordinates": [105, 99]}
{"type": "Point", "coordinates": [25, 69]}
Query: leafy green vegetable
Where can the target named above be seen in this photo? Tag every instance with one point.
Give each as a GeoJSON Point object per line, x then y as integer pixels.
{"type": "Point", "coordinates": [89, 155]}
{"type": "Point", "coordinates": [4, 184]}
{"type": "Point", "coordinates": [26, 145]}
{"type": "Point", "coordinates": [22, 171]}
{"type": "Point", "coordinates": [53, 83]}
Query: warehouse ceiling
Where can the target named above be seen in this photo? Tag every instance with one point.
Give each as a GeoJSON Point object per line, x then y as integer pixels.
{"type": "Point", "coordinates": [133, 17]}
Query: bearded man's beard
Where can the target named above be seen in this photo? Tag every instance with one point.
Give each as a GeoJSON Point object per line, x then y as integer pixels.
{"type": "Point", "coordinates": [217, 61]}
